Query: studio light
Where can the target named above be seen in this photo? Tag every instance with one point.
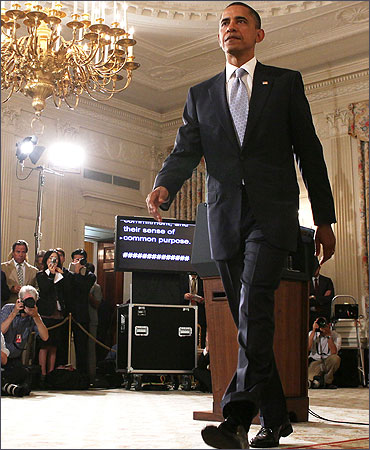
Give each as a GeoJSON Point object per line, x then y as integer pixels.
{"type": "Point", "coordinates": [27, 148]}
{"type": "Point", "coordinates": [66, 155]}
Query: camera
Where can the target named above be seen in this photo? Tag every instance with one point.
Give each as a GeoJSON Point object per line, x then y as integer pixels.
{"type": "Point", "coordinates": [29, 302]}
{"type": "Point", "coordinates": [321, 322]}
{"type": "Point", "coordinates": [54, 260]}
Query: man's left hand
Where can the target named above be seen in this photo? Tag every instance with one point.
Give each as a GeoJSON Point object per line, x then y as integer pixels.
{"type": "Point", "coordinates": [324, 237]}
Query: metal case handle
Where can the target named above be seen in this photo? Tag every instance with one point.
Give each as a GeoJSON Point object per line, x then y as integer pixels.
{"type": "Point", "coordinates": [141, 330]}
{"type": "Point", "coordinates": [185, 331]}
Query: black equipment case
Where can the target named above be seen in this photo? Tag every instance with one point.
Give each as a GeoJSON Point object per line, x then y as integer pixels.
{"type": "Point", "coordinates": [156, 338]}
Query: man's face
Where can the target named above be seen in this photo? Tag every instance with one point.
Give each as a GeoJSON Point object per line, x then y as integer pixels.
{"type": "Point", "coordinates": [19, 254]}
{"type": "Point", "coordinates": [238, 32]}
{"type": "Point", "coordinates": [77, 258]}
{"type": "Point", "coordinates": [39, 263]}
{"type": "Point", "coordinates": [61, 258]}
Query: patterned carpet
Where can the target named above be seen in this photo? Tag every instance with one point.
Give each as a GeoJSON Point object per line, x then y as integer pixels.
{"type": "Point", "coordinates": [120, 419]}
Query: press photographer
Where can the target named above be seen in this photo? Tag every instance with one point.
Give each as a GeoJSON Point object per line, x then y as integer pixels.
{"type": "Point", "coordinates": [17, 322]}
{"type": "Point", "coordinates": [323, 347]}
{"type": "Point", "coordinates": [77, 303]}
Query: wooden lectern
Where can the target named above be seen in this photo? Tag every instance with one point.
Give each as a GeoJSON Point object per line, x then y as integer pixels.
{"type": "Point", "coordinates": [290, 345]}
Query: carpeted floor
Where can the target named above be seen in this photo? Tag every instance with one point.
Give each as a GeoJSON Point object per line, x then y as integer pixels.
{"type": "Point", "coordinates": [120, 419]}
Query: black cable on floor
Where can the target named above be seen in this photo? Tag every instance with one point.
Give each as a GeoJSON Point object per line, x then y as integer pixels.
{"type": "Point", "coordinates": [336, 421]}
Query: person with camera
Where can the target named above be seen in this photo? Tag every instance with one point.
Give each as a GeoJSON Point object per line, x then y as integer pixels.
{"type": "Point", "coordinates": [324, 361]}
{"type": "Point", "coordinates": [80, 281]}
{"type": "Point", "coordinates": [51, 305]}
{"type": "Point", "coordinates": [17, 322]}
{"type": "Point", "coordinates": [321, 295]}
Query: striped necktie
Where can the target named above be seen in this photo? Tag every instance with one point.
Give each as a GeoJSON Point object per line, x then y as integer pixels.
{"type": "Point", "coordinates": [20, 274]}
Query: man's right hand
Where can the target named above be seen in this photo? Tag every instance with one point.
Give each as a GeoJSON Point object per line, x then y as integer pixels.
{"type": "Point", "coordinates": [156, 198]}
{"type": "Point", "coordinates": [18, 307]}
{"type": "Point", "coordinates": [15, 289]}
{"type": "Point", "coordinates": [315, 326]}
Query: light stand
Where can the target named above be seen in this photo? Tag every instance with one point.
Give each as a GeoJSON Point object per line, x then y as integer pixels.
{"type": "Point", "coordinates": [28, 148]}
{"type": "Point", "coordinates": [38, 235]}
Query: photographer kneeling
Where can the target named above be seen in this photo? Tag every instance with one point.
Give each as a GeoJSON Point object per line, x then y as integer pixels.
{"type": "Point", "coordinates": [17, 322]}
{"type": "Point", "coordinates": [323, 361]}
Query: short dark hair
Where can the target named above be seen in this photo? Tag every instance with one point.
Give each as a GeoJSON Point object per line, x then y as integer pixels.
{"type": "Point", "coordinates": [40, 253]}
{"type": "Point", "coordinates": [79, 251]}
{"type": "Point", "coordinates": [20, 242]}
{"type": "Point", "coordinates": [46, 257]}
{"type": "Point", "coordinates": [60, 250]}
{"type": "Point", "coordinates": [90, 267]}
{"type": "Point", "coordinates": [257, 17]}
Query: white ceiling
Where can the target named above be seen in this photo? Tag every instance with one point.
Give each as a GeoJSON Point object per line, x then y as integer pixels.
{"type": "Point", "coordinates": [177, 42]}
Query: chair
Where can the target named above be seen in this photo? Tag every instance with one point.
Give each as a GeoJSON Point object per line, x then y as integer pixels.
{"type": "Point", "coordinates": [345, 315]}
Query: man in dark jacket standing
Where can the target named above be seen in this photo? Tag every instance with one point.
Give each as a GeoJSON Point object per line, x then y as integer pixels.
{"type": "Point", "coordinates": [249, 123]}
{"type": "Point", "coordinates": [77, 302]}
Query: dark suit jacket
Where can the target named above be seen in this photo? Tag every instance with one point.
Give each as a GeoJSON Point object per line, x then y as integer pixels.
{"type": "Point", "coordinates": [5, 291]}
{"type": "Point", "coordinates": [321, 305]}
{"type": "Point", "coordinates": [50, 292]}
{"type": "Point", "coordinates": [77, 294]}
{"type": "Point", "coordinates": [279, 128]}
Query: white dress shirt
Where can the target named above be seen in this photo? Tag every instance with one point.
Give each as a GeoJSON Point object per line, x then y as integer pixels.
{"type": "Point", "coordinates": [247, 78]}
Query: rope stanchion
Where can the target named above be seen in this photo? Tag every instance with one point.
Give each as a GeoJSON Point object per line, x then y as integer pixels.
{"type": "Point", "coordinates": [93, 338]}
{"type": "Point", "coordinates": [69, 318]}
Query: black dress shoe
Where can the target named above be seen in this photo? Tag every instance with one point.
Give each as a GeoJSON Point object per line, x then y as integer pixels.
{"type": "Point", "coordinates": [225, 436]}
{"type": "Point", "coordinates": [269, 437]}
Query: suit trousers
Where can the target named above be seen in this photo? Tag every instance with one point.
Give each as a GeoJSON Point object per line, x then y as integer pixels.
{"type": "Point", "coordinates": [250, 279]}
{"type": "Point", "coordinates": [81, 343]}
{"type": "Point", "coordinates": [328, 368]}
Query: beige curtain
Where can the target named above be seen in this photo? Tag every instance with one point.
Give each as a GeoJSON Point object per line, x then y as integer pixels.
{"type": "Point", "coordinates": [359, 129]}
{"type": "Point", "coordinates": [191, 194]}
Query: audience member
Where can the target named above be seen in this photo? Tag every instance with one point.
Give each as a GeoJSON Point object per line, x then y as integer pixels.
{"type": "Point", "coordinates": [5, 291]}
{"type": "Point", "coordinates": [106, 326]}
{"type": "Point", "coordinates": [324, 361]}
{"type": "Point", "coordinates": [195, 296]}
{"type": "Point", "coordinates": [202, 372]}
{"type": "Point", "coordinates": [18, 272]}
{"type": "Point", "coordinates": [38, 260]}
{"type": "Point", "coordinates": [9, 388]}
{"type": "Point", "coordinates": [321, 295]}
{"type": "Point", "coordinates": [62, 353]}
{"type": "Point", "coordinates": [17, 322]}
{"type": "Point", "coordinates": [62, 258]}
{"type": "Point", "coordinates": [77, 303]}
{"type": "Point", "coordinates": [95, 299]}
{"type": "Point", "coordinates": [51, 305]}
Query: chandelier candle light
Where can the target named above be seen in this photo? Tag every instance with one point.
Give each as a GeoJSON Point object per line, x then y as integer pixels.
{"type": "Point", "coordinates": [42, 63]}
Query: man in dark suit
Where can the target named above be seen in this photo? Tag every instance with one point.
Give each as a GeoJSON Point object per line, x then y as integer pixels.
{"type": "Point", "coordinates": [252, 207]}
{"type": "Point", "coordinates": [321, 295]}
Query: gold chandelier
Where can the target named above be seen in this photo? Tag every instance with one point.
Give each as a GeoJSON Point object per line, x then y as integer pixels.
{"type": "Point", "coordinates": [41, 63]}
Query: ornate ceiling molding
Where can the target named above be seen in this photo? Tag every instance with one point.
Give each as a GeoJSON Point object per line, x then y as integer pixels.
{"type": "Point", "coordinates": [355, 15]}
{"type": "Point", "coordinates": [337, 86]}
{"type": "Point", "coordinates": [338, 122]}
{"type": "Point", "coordinates": [195, 11]}
{"type": "Point", "coordinates": [113, 199]}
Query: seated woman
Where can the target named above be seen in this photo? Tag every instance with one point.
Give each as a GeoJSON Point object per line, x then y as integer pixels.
{"type": "Point", "coordinates": [51, 306]}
